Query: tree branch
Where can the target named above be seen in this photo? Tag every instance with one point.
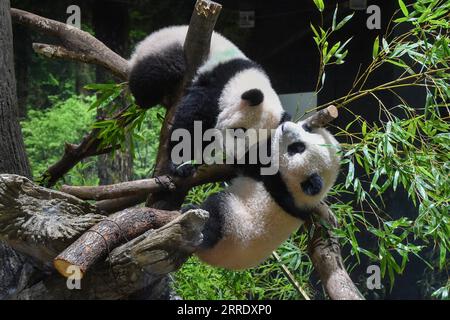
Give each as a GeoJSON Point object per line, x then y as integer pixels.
{"type": "Point", "coordinates": [78, 45]}
{"type": "Point", "coordinates": [326, 257]}
{"type": "Point", "coordinates": [113, 205]}
{"type": "Point", "coordinates": [205, 174]}
{"type": "Point", "coordinates": [196, 49]}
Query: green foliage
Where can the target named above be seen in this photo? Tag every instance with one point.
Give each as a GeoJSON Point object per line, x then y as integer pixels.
{"type": "Point", "coordinates": [329, 54]}
{"type": "Point", "coordinates": [45, 133]}
{"type": "Point", "coordinates": [412, 153]}
{"type": "Point", "coordinates": [127, 126]}
{"type": "Point", "coordinates": [443, 292]}
{"type": "Point", "coordinates": [146, 141]}
{"type": "Point", "coordinates": [121, 123]}
{"type": "Point", "coordinates": [409, 152]}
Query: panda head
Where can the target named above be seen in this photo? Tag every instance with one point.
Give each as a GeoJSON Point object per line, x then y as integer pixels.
{"type": "Point", "coordinates": [249, 101]}
{"type": "Point", "coordinates": [308, 161]}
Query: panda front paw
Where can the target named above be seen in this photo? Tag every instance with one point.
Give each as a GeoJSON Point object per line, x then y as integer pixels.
{"type": "Point", "coordinates": [188, 207]}
{"type": "Point", "coordinates": [185, 170]}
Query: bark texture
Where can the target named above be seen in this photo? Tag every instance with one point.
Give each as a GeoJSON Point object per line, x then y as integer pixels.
{"type": "Point", "coordinates": [13, 158]}
{"type": "Point", "coordinates": [40, 222]}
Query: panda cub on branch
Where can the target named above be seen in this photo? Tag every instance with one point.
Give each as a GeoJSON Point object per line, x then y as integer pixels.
{"type": "Point", "coordinates": [257, 213]}
{"type": "Point", "coordinates": [229, 91]}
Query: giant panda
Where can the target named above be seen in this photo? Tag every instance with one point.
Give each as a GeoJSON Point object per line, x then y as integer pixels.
{"type": "Point", "coordinates": [256, 213]}
{"type": "Point", "coordinates": [229, 91]}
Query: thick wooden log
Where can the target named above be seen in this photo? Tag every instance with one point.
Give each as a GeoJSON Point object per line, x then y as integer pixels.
{"type": "Point", "coordinates": [131, 268]}
{"type": "Point", "coordinates": [119, 228]}
{"type": "Point", "coordinates": [41, 222]}
{"type": "Point", "coordinates": [162, 250]}
{"type": "Point", "coordinates": [114, 205]}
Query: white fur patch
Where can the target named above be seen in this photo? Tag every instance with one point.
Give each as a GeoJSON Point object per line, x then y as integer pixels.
{"type": "Point", "coordinates": [235, 114]}
{"type": "Point", "coordinates": [254, 226]}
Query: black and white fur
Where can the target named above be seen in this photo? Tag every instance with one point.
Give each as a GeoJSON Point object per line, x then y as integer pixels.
{"type": "Point", "coordinates": [229, 90]}
{"type": "Point", "coordinates": [256, 214]}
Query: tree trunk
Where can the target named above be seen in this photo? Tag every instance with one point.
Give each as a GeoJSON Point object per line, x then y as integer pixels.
{"type": "Point", "coordinates": [111, 26]}
{"type": "Point", "coordinates": [22, 55]}
{"type": "Point", "coordinates": [13, 158]}
{"type": "Point", "coordinates": [16, 270]}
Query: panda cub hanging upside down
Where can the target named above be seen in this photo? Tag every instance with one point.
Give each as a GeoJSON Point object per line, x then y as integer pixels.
{"type": "Point", "coordinates": [257, 213]}
{"type": "Point", "coordinates": [229, 90]}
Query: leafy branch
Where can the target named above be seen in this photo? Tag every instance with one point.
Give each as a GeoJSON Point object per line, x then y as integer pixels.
{"type": "Point", "coordinates": [410, 151]}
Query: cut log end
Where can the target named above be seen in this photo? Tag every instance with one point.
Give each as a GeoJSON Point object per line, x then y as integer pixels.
{"type": "Point", "coordinates": [207, 8]}
{"type": "Point", "coordinates": [332, 111]}
{"type": "Point", "coordinates": [67, 269]}
{"type": "Point", "coordinates": [323, 117]}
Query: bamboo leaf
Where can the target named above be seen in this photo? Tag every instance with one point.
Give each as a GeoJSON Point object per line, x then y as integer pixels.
{"type": "Point", "coordinates": [319, 4]}
{"type": "Point", "coordinates": [376, 48]}
{"type": "Point", "coordinates": [403, 8]}
{"type": "Point", "coordinates": [333, 25]}
{"type": "Point", "coordinates": [344, 21]}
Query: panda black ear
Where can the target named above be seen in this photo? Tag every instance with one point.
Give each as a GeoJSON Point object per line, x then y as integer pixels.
{"type": "Point", "coordinates": [253, 97]}
{"type": "Point", "coordinates": [313, 185]}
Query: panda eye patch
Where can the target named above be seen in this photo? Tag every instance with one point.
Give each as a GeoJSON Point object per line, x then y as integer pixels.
{"type": "Point", "coordinates": [296, 147]}
{"type": "Point", "coordinates": [307, 127]}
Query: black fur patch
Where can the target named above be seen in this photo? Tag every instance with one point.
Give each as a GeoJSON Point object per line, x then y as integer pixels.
{"type": "Point", "coordinates": [276, 187]}
{"type": "Point", "coordinates": [307, 127]}
{"type": "Point", "coordinates": [157, 76]}
{"type": "Point", "coordinates": [254, 97]}
{"type": "Point", "coordinates": [285, 117]}
{"type": "Point", "coordinates": [313, 185]}
{"type": "Point", "coordinates": [213, 229]}
{"type": "Point", "coordinates": [296, 147]}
